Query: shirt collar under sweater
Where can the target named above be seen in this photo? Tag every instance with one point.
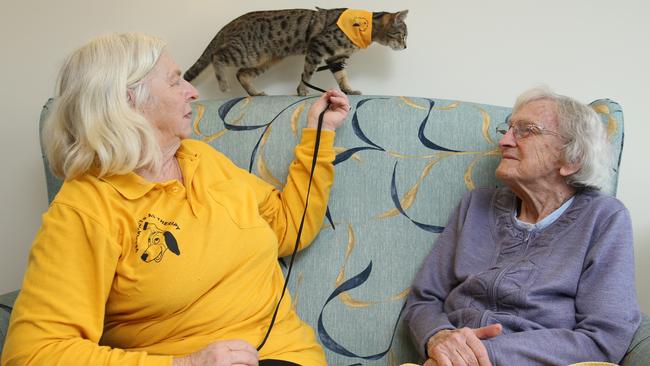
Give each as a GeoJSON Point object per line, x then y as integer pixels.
{"type": "Point", "coordinates": [549, 219]}
{"type": "Point", "coordinates": [505, 204]}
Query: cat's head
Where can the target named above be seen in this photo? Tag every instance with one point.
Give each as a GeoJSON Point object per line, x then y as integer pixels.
{"type": "Point", "coordinates": [389, 29]}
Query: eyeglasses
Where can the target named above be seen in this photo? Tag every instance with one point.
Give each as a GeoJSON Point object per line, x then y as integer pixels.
{"type": "Point", "coordinates": [523, 129]}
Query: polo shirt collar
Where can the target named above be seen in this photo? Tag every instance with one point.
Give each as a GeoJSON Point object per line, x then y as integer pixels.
{"type": "Point", "coordinates": [133, 186]}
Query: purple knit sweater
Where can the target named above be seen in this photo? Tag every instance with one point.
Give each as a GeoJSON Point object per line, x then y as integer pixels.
{"type": "Point", "coordinates": [563, 294]}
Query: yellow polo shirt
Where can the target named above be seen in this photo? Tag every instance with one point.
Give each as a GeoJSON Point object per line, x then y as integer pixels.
{"type": "Point", "coordinates": [128, 272]}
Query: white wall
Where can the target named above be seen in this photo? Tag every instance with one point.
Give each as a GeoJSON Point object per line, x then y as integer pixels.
{"type": "Point", "coordinates": [468, 50]}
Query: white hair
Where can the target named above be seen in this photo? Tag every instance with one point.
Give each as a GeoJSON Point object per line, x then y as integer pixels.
{"type": "Point", "coordinates": [95, 124]}
{"type": "Point", "coordinates": [588, 145]}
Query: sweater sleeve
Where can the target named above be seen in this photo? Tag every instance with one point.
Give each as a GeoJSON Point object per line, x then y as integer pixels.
{"type": "Point", "coordinates": [58, 317]}
{"type": "Point", "coordinates": [424, 312]}
{"type": "Point", "coordinates": [607, 313]}
{"type": "Point", "coordinates": [283, 210]}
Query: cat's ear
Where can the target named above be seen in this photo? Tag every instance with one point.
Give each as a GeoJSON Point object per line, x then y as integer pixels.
{"type": "Point", "coordinates": [401, 16]}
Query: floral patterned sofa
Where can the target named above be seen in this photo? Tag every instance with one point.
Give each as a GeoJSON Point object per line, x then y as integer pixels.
{"type": "Point", "coordinates": [402, 165]}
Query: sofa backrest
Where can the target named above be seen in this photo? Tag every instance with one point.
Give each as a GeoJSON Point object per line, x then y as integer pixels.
{"type": "Point", "coordinates": [402, 165]}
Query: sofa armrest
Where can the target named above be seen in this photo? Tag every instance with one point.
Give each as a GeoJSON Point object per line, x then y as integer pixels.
{"type": "Point", "coordinates": [639, 352]}
{"type": "Point", "coordinates": [6, 304]}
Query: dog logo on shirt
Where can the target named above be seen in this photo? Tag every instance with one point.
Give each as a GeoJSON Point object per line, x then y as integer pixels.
{"type": "Point", "coordinates": [159, 239]}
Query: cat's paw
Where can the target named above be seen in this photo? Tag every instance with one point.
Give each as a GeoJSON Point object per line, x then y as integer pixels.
{"type": "Point", "coordinates": [258, 94]}
{"type": "Point", "coordinates": [224, 87]}
{"type": "Point", "coordinates": [302, 90]}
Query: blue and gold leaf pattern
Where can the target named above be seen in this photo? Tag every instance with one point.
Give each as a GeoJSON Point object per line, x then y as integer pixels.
{"type": "Point", "coordinates": [225, 108]}
{"type": "Point", "coordinates": [358, 131]}
{"type": "Point", "coordinates": [423, 139]}
{"type": "Point", "coordinates": [299, 277]}
{"type": "Point", "coordinates": [200, 109]}
{"type": "Point", "coordinates": [262, 167]}
{"type": "Point", "coordinates": [398, 205]}
{"type": "Point", "coordinates": [485, 126]}
{"type": "Point", "coordinates": [345, 297]}
{"type": "Point", "coordinates": [324, 335]}
{"type": "Point", "coordinates": [448, 107]}
{"type": "Point", "coordinates": [467, 177]}
{"type": "Point", "coordinates": [409, 102]}
{"type": "Point", "coordinates": [603, 108]}
{"type": "Point", "coordinates": [340, 150]}
{"type": "Point", "coordinates": [218, 134]}
{"type": "Point", "coordinates": [411, 194]}
{"type": "Point", "coordinates": [356, 126]}
{"type": "Point", "coordinates": [295, 117]}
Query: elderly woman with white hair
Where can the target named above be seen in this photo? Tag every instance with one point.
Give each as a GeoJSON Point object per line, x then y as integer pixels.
{"type": "Point", "coordinates": [541, 271]}
{"type": "Point", "coordinates": [158, 250]}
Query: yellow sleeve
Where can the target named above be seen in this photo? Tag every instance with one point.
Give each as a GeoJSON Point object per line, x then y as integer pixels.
{"type": "Point", "coordinates": [283, 210]}
{"type": "Point", "coordinates": [59, 314]}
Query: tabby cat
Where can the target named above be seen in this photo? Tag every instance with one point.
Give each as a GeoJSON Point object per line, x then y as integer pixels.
{"type": "Point", "coordinates": [255, 41]}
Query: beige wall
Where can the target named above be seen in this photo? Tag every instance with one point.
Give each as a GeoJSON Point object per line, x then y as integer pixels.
{"type": "Point", "coordinates": [468, 50]}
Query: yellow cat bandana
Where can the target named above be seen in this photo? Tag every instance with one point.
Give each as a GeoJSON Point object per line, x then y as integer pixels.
{"type": "Point", "coordinates": [357, 25]}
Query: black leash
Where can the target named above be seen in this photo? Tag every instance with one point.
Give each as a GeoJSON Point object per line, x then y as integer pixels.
{"type": "Point", "coordinates": [302, 220]}
{"type": "Point", "coordinates": [333, 67]}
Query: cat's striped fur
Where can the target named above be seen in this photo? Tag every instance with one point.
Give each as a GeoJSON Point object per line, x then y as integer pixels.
{"type": "Point", "coordinates": [255, 41]}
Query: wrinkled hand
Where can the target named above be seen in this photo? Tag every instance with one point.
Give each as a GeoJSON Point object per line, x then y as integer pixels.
{"type": "Point", "coordinates": [339, 106]}
{"type": "Point", "coordinates": [461, 347]}
{"type": "Point", "coordinates": [223, 353]}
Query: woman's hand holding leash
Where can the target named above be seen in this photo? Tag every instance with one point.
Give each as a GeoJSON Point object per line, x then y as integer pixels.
{"type": "Point", "coordinates": [336, 106]}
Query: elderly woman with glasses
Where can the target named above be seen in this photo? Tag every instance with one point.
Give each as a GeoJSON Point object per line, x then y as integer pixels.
{"type": "Point", "coordinates": [541, 271]}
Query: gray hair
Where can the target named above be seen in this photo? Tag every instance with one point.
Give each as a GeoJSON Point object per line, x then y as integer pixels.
{"type": "Point", "coordinates": [588, 145]}
{"type": "Point", "coordinates": [95, 123]}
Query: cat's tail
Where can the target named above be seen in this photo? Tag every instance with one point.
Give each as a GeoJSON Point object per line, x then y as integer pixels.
{"type": "Point", "coordinates": [216, 57]}
{"type": "Point", "coordinates": [198, 66]}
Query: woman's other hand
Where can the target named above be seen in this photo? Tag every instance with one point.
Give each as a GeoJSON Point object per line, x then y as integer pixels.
{"type": "Point", "coordinates": [223, 353]}
{"type": "Point", "coordinates": [460, 347]}
{"type": "Point", "coordinates": [335, 114]}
